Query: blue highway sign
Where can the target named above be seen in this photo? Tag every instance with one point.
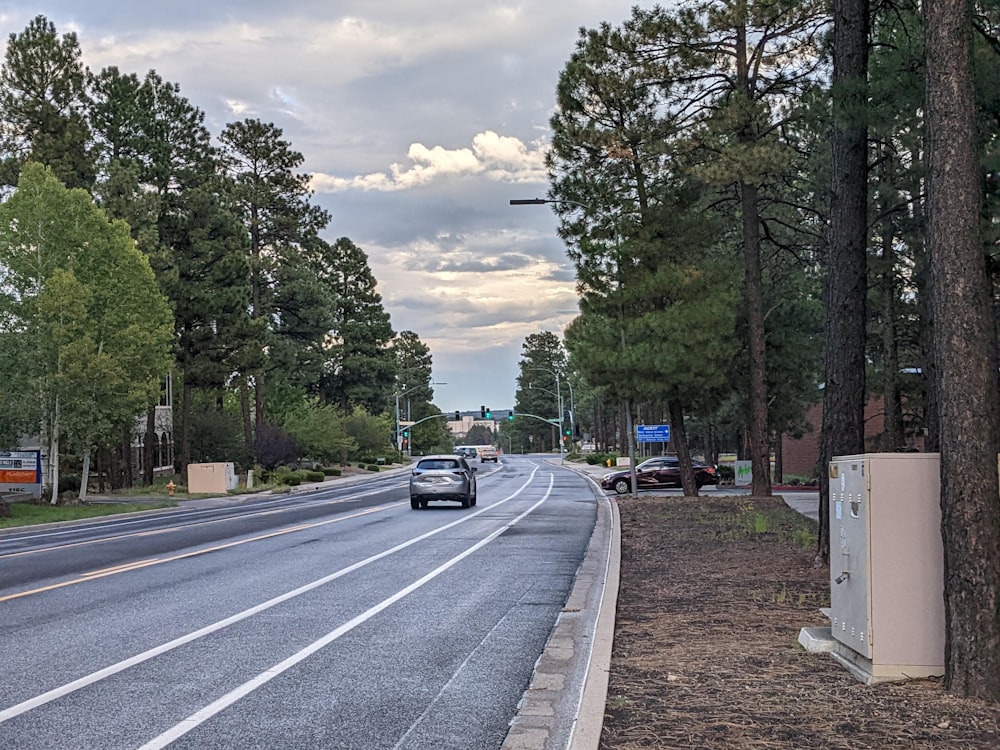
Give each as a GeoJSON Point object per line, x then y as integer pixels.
{"type": "Point", "coordinates": [653, 433]}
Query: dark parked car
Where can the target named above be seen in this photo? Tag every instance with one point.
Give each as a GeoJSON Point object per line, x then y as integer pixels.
{"type": "Point", "coordinates": [442, 478]}
{"type": "Point", "coordinates": [662, 471]}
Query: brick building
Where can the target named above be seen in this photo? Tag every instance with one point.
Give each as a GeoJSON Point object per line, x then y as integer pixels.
{"type": "Point", "coordinates": [800, 456]}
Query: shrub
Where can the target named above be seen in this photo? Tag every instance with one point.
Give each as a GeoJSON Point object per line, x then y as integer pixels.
{"type": "Point", "coordinates": [315, 476]}
{"type": "Point", "coordinates": [331, 472]}
{"type": "Point", "coordinates": [373, 467]}
{"type": "Point", "coordinates": [288, 479]}
{"type": "Point", "coordinates": [727, 473]}
{"type": "Point", "coordinates": [69, 483]}
{"type": "Point", "coordinates": [601, 459]}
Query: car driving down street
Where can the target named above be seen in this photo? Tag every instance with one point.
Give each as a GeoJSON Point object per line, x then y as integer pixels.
{"type": "Point", "coordinates": [658, 472]}
{"type": "Point", "coordinates": [442, 478]}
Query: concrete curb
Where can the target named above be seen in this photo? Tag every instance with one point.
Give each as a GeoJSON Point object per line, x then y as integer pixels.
{"type": "Point", "coordinates": [590, 719]}
{"type": "Point", "coordinates": [563, 706]}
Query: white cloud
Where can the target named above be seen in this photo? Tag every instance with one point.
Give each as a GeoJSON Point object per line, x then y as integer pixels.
{"type": "Point", "coordinates": [418, 120]}
{"type": "Point", "coordinates": [499, 158]}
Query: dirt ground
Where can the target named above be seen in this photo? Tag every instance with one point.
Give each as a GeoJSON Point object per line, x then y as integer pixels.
{"type": "Point", "coordinates": [713, 594]}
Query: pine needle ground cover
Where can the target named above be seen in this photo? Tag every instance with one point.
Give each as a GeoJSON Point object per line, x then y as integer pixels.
{"type": "Point", "coordinates": [713, 594]}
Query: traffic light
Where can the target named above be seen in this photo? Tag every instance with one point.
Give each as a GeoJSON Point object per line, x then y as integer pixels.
{"type": "Point", "coordinates": [482, 412]}
{"type": "Point", "coordinates": [568, 432]}
{"type": "Point", "coordinates": [458, 416]}
{"type": "Point", "coordinates": [510, 416]}
{"type": "Point", "coordinates": [489, 414]}
{"type": "Point", "coordinates": [406, 434]}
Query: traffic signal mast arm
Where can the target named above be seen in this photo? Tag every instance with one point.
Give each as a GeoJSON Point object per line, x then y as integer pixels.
{"type": "Point", "coordinates": [401, 428]}
{"type": "Point", "coordinates": [554, 421]}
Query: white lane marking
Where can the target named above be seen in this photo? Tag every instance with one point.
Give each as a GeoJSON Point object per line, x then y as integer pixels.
{"type": "Point", "coordinates": [199, 717]}
{"type": "Point", "coordinates": [70, 687]}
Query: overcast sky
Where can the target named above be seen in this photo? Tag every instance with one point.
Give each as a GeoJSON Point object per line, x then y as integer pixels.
{"type": "Point", "coordinates": [419, 120]}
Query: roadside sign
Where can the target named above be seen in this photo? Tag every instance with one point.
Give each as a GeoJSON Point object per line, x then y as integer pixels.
{"type": "Point", "coordinates": [653, 433]}
{"type": "Point", "coordinates": [21, 473]}
{"type": "Point", "coordinates": [743, 473]}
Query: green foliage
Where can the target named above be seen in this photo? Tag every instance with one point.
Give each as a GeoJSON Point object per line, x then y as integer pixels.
{"type": "Point", "coordinates": [288, 479]}
{"type": "Point", "coordinates": [601, 459]}
{"type": "Point", "coordinates": [369, 433]}
{"type": "Point", "coordinates": [87, 308]}
{"type": "Point", "coordinates": [320, 431]}
{"type": "Point", "coordinates": [331, 471]}
{"type": "Point", "coordinates": [288, 312]}
{"type": "Point", "coordinates": [215, 435]}
{"type": "Point", "coordinates": [373, 467]}
{"type": "Point", "coordinates": [360, 367]}
{"type": "Point", "coordinates": [42, 106]}
{"type": "Point", "coordinates": [541, 383]}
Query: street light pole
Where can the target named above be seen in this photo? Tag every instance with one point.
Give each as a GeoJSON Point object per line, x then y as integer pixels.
{"type": "Point", "coordinates": [399, 394]}
{"type": "Point", "coordinates": [628, 402]}
{"type": "Point", "coordinates": [559, 405]}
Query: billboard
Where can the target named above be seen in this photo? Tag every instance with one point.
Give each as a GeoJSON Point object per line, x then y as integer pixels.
{"type": "Point", "coordinates": [21, 473]}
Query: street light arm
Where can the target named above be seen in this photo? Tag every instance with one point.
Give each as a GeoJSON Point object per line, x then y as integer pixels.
{"type": "Point", "coordinates": [543, 201]}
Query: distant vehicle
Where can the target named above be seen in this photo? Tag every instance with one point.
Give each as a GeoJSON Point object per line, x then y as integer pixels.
{"type": "Point", "coordinates": [662, 471]}
{"type": "Point", "coordinates": [469, 451]}
{"type": "Point", "coordinates": [489, 453]}
{"type": "Point", "coordinates": [442, 477]}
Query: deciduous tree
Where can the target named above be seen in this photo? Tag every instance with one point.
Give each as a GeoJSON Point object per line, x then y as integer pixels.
{"type": "Point", "coordinates": [93, 329]}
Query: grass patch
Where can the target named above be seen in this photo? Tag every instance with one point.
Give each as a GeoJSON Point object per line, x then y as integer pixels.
{"type": "Point", "coordinates": [29, 514]}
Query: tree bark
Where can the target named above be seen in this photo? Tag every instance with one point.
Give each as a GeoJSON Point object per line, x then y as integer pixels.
{"type": "Point", "coordinates": [679, 438]}
{"type": "Point", "coordinates": [846, 291]}
{"type": "Point", "coordinates": [891, 402]}
{"type": "Point", "coordinates": [965, 359]}
{"type": "Point", "coordinates": [753, 292]}
{"type": "Point", "coordinates": [247, 420]}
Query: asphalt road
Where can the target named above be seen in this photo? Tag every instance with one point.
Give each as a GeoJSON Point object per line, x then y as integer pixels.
{"type": "Point", "coordinates": [331, 619]}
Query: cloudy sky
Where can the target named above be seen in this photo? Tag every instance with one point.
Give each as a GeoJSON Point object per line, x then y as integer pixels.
{"type": "Point", "coordinates": [419, 121]}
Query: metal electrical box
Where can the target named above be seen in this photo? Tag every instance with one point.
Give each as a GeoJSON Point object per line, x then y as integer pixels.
{"type": "Point", "coordinates": [887, 565]}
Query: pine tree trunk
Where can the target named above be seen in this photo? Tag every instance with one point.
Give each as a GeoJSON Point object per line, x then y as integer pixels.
{"type": "Point", "coordinates": [965, 359]}
{"type": "Point", "coordinates": [753, 290]}
{"type": "Point", "coordinates": [679, 438]}
{"type": "Point", "coordinates": [846, 292]}
{"type": "Point", "coordinates": [247, 420]}
{"type": "Point", "coordinates": [892, 439]}
{"type": "Point", "coordinates": [760, 453]}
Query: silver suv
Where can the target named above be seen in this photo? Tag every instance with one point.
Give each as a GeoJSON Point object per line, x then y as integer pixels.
{"type": "Point", "coordinates": [443, 477]}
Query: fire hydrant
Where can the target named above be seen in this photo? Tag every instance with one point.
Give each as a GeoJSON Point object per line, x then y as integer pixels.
{"type": "Point", "coordinates": [171, 487]}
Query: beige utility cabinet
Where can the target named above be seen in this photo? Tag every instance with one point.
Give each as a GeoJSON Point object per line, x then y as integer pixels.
{"type": "Point", "coordinates": [887, 565]}
{"type": "Point", "coordinates": [215, 478]}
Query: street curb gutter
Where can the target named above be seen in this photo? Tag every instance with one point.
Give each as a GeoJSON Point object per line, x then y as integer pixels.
{"type": "Point", "coordinates": [563, 707]}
